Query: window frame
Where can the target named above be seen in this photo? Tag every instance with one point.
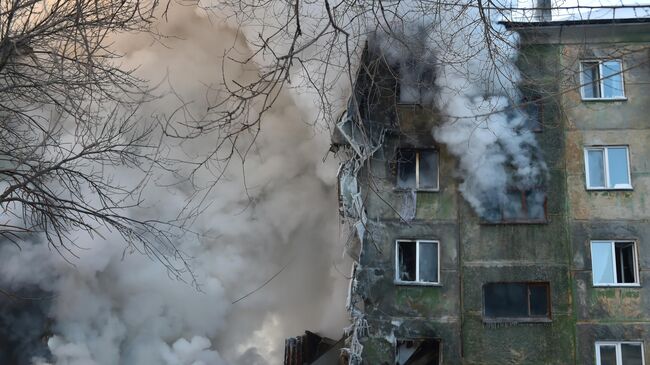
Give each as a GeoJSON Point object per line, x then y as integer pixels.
{"type": "Point", "coordinates": [529, 319]}
{"type": "Point", "coordinates": [522, 194]}
{"type": "Point", "coordinates": [600, 79]}
{"type": "Point", "coordinates": [417, 282]}
{"type": "Point", "coordinates": [637, 277]}
{"type": "Point", "coordinates": [421, 86]}
{"type": "Point", "coordinates": [608, 186]}
{"type": "Point", "coordinates": [417, 152]}
{"type": "Point", "coordinates": [414, 339]}
{"type": "Point", "coordinates": [619, 355]}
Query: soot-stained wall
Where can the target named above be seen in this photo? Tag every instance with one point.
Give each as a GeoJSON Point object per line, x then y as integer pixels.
{"type": "Point", "coordinates": [557, 251]}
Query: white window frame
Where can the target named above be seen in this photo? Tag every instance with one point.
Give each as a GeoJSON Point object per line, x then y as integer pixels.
{"type": "Point", "coordinates": [619, 355]}
{"type": "Point", "coordinates": [417, 152]}
{"type": "Point", "coordinates": [606, 168]}
{"type": "Point", "coordinates": [417, 263]}
{"type": "Point", "coordinates": [600, 79]}
{"type": "Point", "coordinates": [635, 258]}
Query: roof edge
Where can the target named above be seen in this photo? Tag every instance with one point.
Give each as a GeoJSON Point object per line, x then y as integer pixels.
{"type": "Point", "coordinates": [522, 25]}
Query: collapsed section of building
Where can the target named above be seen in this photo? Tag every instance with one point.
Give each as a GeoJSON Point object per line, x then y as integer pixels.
{"type": "Point", "coordinates": [547, 270]}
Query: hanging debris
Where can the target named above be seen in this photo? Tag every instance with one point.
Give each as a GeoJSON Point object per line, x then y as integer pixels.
{"type": "Point", "coordinates": [361, 144]}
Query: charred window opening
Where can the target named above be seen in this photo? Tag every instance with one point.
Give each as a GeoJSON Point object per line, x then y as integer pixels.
{"type": "Point", "coordinates": [415, 81]}
{"type": "Point", "coordinates": [417, 169]}
{"type": "Point", "coordinates": [614, 263]}
{"type": "Point", "coordinates": [619, 353]}
{"type": "Point", "coordinates": [417, 262]}
{"type": "Point", "coordinates": [534, 109]}
{"type": "Point", "coordinates": [417, 352]}
{"type": "Point", "coordinates": [519, 206]}
{"type": "Point", "coordinates": [527, 301]}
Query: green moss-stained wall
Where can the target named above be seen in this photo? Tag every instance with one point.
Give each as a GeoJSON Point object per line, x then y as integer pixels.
{"type": "Point", "coordinates": [474, 253]}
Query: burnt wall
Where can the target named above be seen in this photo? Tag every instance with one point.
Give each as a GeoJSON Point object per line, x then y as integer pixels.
{"type": "Point", "coordinates": [556, 251]}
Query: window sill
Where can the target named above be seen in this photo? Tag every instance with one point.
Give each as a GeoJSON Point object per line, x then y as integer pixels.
{"type": "Point", "coordinates": [405, 103]}
{"type": "Point", "coordinates": [415, 283]}
{"type": "Point", "coordinates": [604, 99]}
{"type": "Point", "coordinates": [623, 188]}
{"type": "Point", "coordinates": [517, 320]}
{"type": "Point", "coordinates": [406, 190]}
{"type": "Point", "coordinates": [617, 285]}
{"type": "Point", "coordinates": [514, 222]}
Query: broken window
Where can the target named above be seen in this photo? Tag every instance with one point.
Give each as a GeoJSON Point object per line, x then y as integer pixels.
{"type": "Point", "coordinates": [417, 169]}
{"type": "Point", "coordinates": [614, 263]}
{"type": "Point", "coordinates": [519, 206]}
{"type": "Point", "coordinates": [415, 82]}
{"type": "Point", "coordinates": [516, 300]}
{"type": "Point", "coordinates": [417, 262]}
{"type": "Point", "coordinates": [417, 352]}
{"type": "Point", "coordinates": [601, 80]}
{"type": "Point", "coordinates": [619, 353]}
{"type": "Point", "coordinates": [608, 167]}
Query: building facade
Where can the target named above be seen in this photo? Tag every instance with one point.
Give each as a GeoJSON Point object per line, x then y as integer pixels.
{"type": "Point", "coordinates": [564, 284]}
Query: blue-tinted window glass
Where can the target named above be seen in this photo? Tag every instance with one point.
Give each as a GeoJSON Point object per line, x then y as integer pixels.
{"type": "Point", "coordinates": [602, 263]}
{"type": "Point", "coordinates": [612, 79]}
{"type": "Point", "coordinates": [596, 168]}
{"type": "Point", "coordinates": [618, 169]}
{"type": "Point", "coordinates": [429, 262]}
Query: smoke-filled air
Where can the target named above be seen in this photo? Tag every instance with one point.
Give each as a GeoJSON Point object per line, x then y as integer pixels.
{"type": "Point", "coordinates": [276, 214]}
{"type": "Point", "coordinates": [268, 230]}
{"type": "Point", "coordinates": [475, 90]}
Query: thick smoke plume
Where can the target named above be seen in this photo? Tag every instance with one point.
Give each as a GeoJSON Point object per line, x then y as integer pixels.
{"type": "Point", "coordinates": [115, 307]}
{"type": "Point", "coordinates": [484, 128]}
{"type": "Point", "coordinates": [475, 89]}
{"type": "Point", "coordinates": [111, 306]}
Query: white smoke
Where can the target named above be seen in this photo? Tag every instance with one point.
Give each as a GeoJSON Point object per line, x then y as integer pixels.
{"type": "Point", "coordinates": [484, 129]}
{"type": "Point", "coordinates": [476, 92]}
{"type": "Point", "coordinates": [115, 307]}
{"type": "Point", "coordinates": [119, 307]}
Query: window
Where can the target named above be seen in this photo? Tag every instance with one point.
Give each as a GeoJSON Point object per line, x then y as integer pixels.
{"type": "Point", "coordinates": [519, 207]}
{"type": "Point", "coordinates": [530, 301]}
{"type": "Point", "coordinates": [416, 80]}
{"type": "Point", "coordinates": [607, 167]}
{"type": "Point", "coordinates": [417, 262]}
{"type": "Point", "coordinates": [614, 263]}
{"type": "Point", "coordinates": [417, 352]}
{"type": "Point", "coordinates": [619, 353]}
{"type": "Point", "coordinates": [417, 169]}
{"type": "Point", "coordinates": [601, 80]}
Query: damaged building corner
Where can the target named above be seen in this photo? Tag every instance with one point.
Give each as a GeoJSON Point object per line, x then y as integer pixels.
{"type": "Point", "coordinates": [551, 270]}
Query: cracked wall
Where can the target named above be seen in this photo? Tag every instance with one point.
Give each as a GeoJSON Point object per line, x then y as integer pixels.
{"type": "Point", "coordinates": [474, 253]}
